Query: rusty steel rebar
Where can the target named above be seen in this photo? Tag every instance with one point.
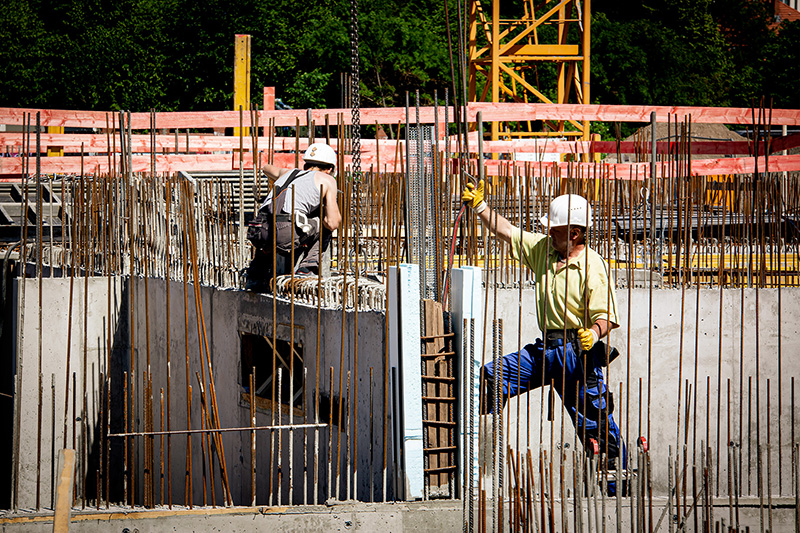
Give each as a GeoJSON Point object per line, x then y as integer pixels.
{"type": "Point", "coordinates": [127, 212]}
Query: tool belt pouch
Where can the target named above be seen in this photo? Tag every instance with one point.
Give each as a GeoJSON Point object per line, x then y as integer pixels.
{"type": "Point", "coordinates": [603, 355]}
{"type": "Point", "coordinates": [258, 230]}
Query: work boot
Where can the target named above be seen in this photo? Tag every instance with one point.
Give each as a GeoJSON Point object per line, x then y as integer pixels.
{"type": "Point", "coordinates": [306, 271]}
{"type": "Point", "coordinates": [257, 286]}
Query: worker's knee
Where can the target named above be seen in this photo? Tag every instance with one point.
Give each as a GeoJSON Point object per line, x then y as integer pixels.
{"type": "Point", "coordinates": [596, 407]}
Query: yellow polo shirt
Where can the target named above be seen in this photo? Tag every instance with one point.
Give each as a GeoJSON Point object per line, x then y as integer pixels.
{"type": "Point", "coordinates": [580, 288]}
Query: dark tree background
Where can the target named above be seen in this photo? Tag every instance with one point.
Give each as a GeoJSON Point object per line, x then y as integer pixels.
{"type": "Point", "coordinates": [178, 54]}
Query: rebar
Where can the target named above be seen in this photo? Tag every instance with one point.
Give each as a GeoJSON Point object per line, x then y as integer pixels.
{"type": "Point", "coordinates": [677, 228]}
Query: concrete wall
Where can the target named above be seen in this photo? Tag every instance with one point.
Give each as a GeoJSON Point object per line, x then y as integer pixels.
{"type": "Point", "coordinates": [228, 315]}
{"type": "Point", "coordinates": [708, 341]}
{"type": "Point", "coordinates": [140, 353]}
{"type": "Point", "coordinates": [732, 334]}
{"type": "Point", "coordinates": [56, 329]}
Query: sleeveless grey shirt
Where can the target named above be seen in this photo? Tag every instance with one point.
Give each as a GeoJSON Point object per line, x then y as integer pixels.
{"type": "Point", "coordinates": [303, 191]}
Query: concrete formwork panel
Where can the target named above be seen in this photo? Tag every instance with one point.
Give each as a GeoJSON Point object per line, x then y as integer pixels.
{"type": "Point", "coordinates": [71, 321]}
{"type": "Point", "coordinates": [722, 361]}
{"type": "Point", "coordinates": [229, 315]}
{"type": "Point", "coordinates": [159, 374]}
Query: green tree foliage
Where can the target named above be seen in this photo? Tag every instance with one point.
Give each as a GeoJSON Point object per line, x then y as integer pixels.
{"type": "Point", "coordinates": [782, 59]}
{"type": "Point", "coordinates": [691, 52]}
{"type": "Point", "coordinates": [404, 48]}
{"type": "Point", "coordinates": [178, 54]}
{"type": "Point", "coordinates": [25, 61]}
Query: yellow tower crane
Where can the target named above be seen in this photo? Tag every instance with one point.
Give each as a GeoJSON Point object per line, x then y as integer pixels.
{"type": "Point", "coordinates": [508, 57]}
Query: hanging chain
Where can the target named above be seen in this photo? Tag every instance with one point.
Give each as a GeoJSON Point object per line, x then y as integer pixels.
{"type": "Point", "coordinates": [356, 98]}
{"type": "Point", "coordinates": [356, 130]}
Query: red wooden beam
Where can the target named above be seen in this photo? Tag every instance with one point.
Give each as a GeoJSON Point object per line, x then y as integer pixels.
{"type": "Point", "coordinates": [490, 112]}
{"type": "Point", "coordinates": [785, 143]}
{"type": "Point", "coordinates": [72, 143]}
{"type": "Point", "coordinates": [626, 113]}
{"type": "Point", "coordinates": [610, 147]}
{"type": "Point", "coordinates": [641, 171]}
{"type": "Point", "coordinates": [98, 143]}
{"type": "Point", "coordinates": [12, 166]}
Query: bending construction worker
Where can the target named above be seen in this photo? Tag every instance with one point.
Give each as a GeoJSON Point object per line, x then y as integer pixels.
{"type": "Point", "coordinates": [302, 219]}
{"type": "Point", "coordinates": [576, 306]}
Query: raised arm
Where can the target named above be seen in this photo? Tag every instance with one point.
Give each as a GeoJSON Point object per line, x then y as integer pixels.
{"type": "Point", "coordinates": [272, 171]}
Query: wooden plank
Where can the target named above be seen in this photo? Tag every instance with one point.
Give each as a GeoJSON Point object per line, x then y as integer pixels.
{"type": "Point", "coordinates": [166, 143]}
{"type": "Point", "coordinates": [140, 163]}
{"type": "Point", "coordinates": [623, 113]}
{"type": "Point", "coordinates": [54, 117]}
{"type": "Point", "coordinates": [72, 143]}
{"type": "Point", "coordinates": [746, 165]}
{"type": "Point", "coordinates": [438, 412]}
{"type": "Point", "coordinates": [491, 112]}
{"type": "Point", "coordinates": [12, 166]}
{"type": "Point", "coordinates": [139, 143]}
{"type": "Point", "coordinates": [550, 146]}
{"type": "Point", "coordinates": [269, 99]}
{"type": "Point", "coordinates": [640, 171]}
{"type": "Point", "coordinates": [785, 143]}
{"type": "Point", "coordinates": [63, 507]}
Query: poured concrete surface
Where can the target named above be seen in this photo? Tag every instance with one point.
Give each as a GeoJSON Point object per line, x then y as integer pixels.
{"type": "Point", "coordinates": [417, 517]}
{"type": "Point", "coordinates": [160, 343]}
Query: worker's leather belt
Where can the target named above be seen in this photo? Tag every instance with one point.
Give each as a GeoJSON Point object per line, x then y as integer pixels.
{"type": "Point", "coordinates": [602, 355]}
{"type": "Point", "coordinates": [561, 334]}
{"type": "Point", "coordinates": [279, 217]}
{"type": "Point", "coordinates": [571, 335]}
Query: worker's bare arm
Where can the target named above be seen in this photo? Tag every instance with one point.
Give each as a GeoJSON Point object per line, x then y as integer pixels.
{"type": "Point", "coordinates": [272, 171]}
{"type": "Point", "coordinates": [497, 224]}
{"type": "Point", "coordinates": [602, 327]}
{"type": "Point", "coordinates": [332, 217]}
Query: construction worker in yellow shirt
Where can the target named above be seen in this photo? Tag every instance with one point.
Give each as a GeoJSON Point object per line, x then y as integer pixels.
{"type": "Point", "coordinates": [576, 306]}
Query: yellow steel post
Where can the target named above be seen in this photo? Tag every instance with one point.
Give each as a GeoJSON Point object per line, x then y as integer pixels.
{"type": "Point", "coordinates": [472, 49]}
{"type": "Point", "coordinates": [241, 77]}
{"type": "Point", "coordinates": [55, 151]}
{"type": "Point", "coordinates": [587, 47]}
{"type": "Point", "coordinates": [495, 62]}
{"type": "Point", "coordinates": [562, 67]}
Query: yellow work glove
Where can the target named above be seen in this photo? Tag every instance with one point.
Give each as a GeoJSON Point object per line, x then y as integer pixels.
{"type": "Point", "coordinates": [473, 196]}
{"type": "Point", "coordinates": [587, 338]}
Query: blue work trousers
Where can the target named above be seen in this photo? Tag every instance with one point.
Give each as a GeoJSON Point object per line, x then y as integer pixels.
{"type": "Point", "coordinates": [582, 390]}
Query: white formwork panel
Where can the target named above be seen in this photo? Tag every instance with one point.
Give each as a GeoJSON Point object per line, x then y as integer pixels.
{"type": "Point", "coordinates": [405, 360]}
{"type": "Point", "coordinates": [467, 304]}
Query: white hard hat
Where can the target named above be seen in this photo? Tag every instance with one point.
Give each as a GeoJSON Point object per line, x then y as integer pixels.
{"type": "Point", "coordinates": [320, 153]}
{"type": "Point", "coordinates": [568, 209]}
